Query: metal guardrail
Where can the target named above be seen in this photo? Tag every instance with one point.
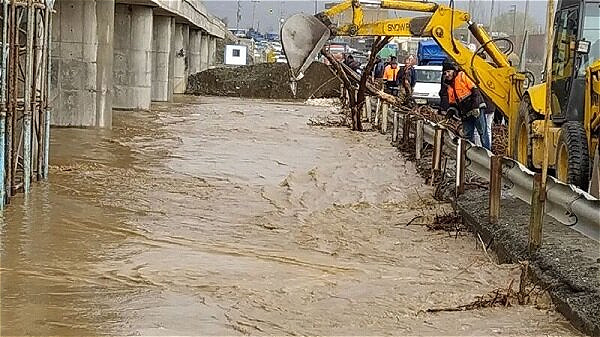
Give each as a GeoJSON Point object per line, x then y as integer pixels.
{"type": "Point", "coordinates": [567, 204]}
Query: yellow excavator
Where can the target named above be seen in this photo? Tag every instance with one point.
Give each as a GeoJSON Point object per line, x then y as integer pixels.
{"type": "Point", "coordinates": [575, 118]}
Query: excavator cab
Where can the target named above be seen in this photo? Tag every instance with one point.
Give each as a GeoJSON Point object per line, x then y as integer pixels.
{"type": "Point", "coordinates": [575, 54]}
{"type": "Point", "coordinates": [576, 46]}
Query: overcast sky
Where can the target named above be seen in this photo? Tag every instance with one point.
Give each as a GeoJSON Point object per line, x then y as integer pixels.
{"type": "Point", "coordinates": [268, 12]}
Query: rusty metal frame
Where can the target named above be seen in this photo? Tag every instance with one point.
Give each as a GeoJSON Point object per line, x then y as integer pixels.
{"type": "Point", "coordinates": [24, 83]}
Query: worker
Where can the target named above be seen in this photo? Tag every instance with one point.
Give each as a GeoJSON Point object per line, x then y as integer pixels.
{"type": "Point", "coordinates": [352, 63]}
{"type": "Point", "coordinates": [378, 70]}
{"type": "Point", "coordinates": [390, 77]}
{"type": "Point", "coordinates": [464, 99]}
{"type": "Point", "coordinates": [489, 114]}
{"type": "Point", "coordinates": [410, 77]}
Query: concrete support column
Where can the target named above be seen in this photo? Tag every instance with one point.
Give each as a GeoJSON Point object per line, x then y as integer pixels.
{"type": "Point", "coordinates": [204, 52]}
{"type": "Point", "coordinates": [194, 51]}
{"type": "Point", "coordinates": [133, 57]}
{"type": "Point", "coordinates": [162, 58]}
{"type": "Point", "coordinates": [82, 58]}
{"type": "Point", "coordinates": [212, 51]}
{"type": "Point", "coordinates": [180, 49]}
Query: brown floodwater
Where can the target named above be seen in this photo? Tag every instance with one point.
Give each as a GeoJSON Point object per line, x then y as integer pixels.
{"type": "Point", "coordinates": [223, 216]}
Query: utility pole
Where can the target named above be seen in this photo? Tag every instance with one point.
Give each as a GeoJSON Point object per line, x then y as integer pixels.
{"type": "Point", "coordinates": [254, 2]}
{"type": "Point", "coordinates": [514, 9]}
{"type": "Point", "coordinates": [492, 18]}
{"type": "Point", "coordinates": [238, 17]}
{"type": "Point", "coordinates": [472, 19]}
{"type": "Point", "coordinates": [316, 6]}
{"type": "Point", "coordinates": [526, 15]}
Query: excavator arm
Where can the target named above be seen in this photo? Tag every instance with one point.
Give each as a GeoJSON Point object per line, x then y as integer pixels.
{"type": "Point", "coordinates": [303, 37]}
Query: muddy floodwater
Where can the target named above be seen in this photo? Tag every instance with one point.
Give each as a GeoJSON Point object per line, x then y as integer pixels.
{"type": "Point", "coordinates": [222, 216]}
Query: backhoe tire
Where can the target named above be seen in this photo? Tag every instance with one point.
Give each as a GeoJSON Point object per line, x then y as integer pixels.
{"type": "Point", "coordinates": [523, 142]}
{"type": "Point", "coordinates": [573, 158]}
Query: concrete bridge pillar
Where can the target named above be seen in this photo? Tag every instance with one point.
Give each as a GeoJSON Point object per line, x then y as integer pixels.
{"type": "Point", "coordinates": [194, 51]}
{"type": "Point", "coordinates": [162, 58]}
{"type": "Point", "coordinates": [212, 51]}
{"type": "Point", "coordinates": [133, 57]}
{"type": "Point", "coordinates": [82, 58]}
{"type": "Point", "coordinates": [204, 52]}
{"type": "Point", "coordinates": [180, 49]}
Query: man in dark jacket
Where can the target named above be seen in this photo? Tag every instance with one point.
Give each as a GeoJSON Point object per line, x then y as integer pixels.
{"type": "Point", "coordinates": [378, 71]}
{"type": "Point", "coordinates": [464, 98]}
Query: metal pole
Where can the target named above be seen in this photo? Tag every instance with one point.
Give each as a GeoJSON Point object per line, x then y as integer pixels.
{"type": "Point", "coordinates": [49, 5]}
{"type": "Point", "coordinates": [43, 95]}
{"type": "Point", "coordinates": [316, 6]}
{"type": "Point", "coordinates": [514, 7]}
{"type": "Point", "coordinates": [27, 99]}
{"type": "Point", "coordinates": [492, 19]}
{"type": "Point", "coordinates": [3, 101]}
{"type": "Point", "coordinates": [253, 12]}
{"type": "Point", "coordinates": [10, 117]}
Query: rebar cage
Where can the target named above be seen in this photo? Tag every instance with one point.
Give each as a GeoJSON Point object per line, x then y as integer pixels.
{"type": "Point", "coordinates": [24, 83]}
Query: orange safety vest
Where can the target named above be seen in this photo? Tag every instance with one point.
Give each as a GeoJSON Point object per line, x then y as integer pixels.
{"type": "Point", "coordinates": [390, 74]}
{"type": "Point", "coordinates": [462, 87]}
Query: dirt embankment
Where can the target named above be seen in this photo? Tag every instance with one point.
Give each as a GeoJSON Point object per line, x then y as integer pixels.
{"type": "Point", "coordinates": [266, 80]}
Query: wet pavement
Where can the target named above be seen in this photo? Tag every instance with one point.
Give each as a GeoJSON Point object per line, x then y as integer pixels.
{"type": "Point", "coordinates": [223, 216]}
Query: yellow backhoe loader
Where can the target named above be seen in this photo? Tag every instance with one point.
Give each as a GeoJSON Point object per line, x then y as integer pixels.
{"type": "Point", "coordinates": [575, 120]}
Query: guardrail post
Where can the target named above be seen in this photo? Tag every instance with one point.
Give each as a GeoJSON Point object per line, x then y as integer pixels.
{"type": "Point", "coordinates": [419, 139]}
{"type": "Point", "coordinates": [395, 129]}
{"type": "Point", "coordinates": [461, 158]}
{"type": "Point", "coordinates": [536, 219]}
{"type": "Point", "coordinates": [384, 118]}
{"type": "Point", "coordinates": [377, 110]}
{"type": "Point", "coordinates": [495, 188]}
{"type": "Point", "coordinates": [368, 106]}
{"type": "Point", "coordinates": [438, 142]}
{"type": "Point", "coordinates": [406, 128]}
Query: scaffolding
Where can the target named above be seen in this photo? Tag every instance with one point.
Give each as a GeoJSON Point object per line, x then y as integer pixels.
{"type": "Point", "coordinates": [24, 83]}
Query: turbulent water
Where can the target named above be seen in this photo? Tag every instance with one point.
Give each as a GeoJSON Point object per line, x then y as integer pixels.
{"type": "Point", "coordinates": [227, 216]}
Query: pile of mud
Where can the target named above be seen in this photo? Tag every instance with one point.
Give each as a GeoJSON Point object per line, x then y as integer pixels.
{"type": "Point", "coordinates": [266, 80]}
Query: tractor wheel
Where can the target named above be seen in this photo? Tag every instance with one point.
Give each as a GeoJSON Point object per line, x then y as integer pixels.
{"type": "Point", "coordinates": [573, 159]}
{"type": "Point", "coordinates": [523, 142]}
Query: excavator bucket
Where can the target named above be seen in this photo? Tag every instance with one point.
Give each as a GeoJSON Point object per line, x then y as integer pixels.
{"type": "Point", "coordinates": [302, 37]}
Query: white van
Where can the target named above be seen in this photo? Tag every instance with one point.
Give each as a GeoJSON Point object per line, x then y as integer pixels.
{"type": "Point", "coordinates": [428, 85]}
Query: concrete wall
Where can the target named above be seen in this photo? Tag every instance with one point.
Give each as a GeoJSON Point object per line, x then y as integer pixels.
{"type": "Point", "coordinates": [132, 69]}
{"type": "Point", "coordinates": [162, 58]}
{"type": "Point", "coordinates": [81, 78]}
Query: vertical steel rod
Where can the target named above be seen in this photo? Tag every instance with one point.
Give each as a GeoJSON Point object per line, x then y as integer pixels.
{"type": "Point", "coordinates": [49, 4]}
{"type": "Point", "coordinates": [27, 111]}
{"type": "Point", "coordinates": [11, 101]}
{"type": "Point", "coordinates": [3, 102]}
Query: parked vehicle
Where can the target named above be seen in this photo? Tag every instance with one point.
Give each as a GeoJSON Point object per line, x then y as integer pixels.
{"type": "Point", "coordinates": [428, 86]}
{"type": "Point", "coordinates": [430, 53]}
